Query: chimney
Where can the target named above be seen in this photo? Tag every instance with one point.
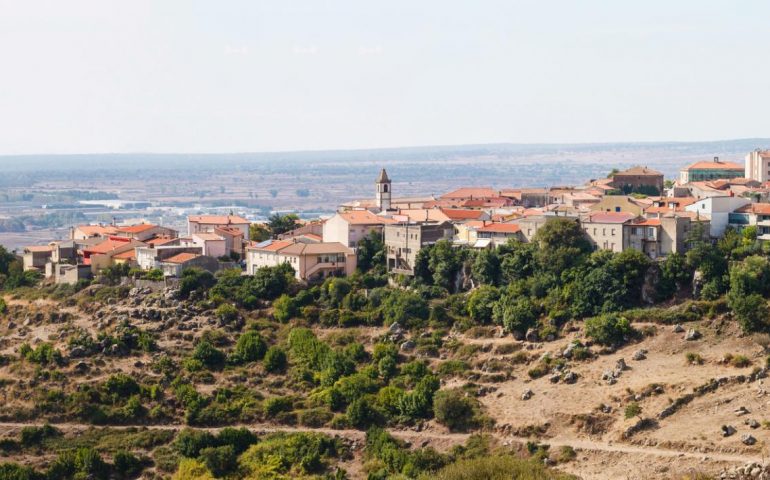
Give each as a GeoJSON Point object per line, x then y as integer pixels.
{"type": "Point", "coordinates": [716, 159]}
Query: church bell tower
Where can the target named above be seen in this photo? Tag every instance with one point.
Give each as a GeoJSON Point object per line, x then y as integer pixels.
{"type": "Point", "coordinates": [383, 191]}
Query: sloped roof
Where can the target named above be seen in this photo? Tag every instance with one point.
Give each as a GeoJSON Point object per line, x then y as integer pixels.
{"type": "Point", "coordinates": [218, 219]}
{"type": "Point", "coordinates": [181, 258]}
{"type": "Point", "coordinates": [382, 177]}
{"type": "Point", "coordinates": [110, 244]}
{"type": "Point", "coordinates": [321, 248]}
{"type": "Point", "coordinates": [760, 208]}
{"type": "Point", "coordinates": [640, 170]}
{"type": "Point", "coordinates": [705, 165]}
{"type": "Point", "coordinates": [38, 248]}
{"type": "Point", "coordinates": [207, 237]}
{"type": "Point", "coordinates": [500, 228]}
{"type": "Point", "coordinates": [97, 229]}
{"type": "Point", "coordinates": [457, 214]}
{"type": "Point", "coordinates": [363, 217]}
{"type": "Point", "coordinates": [127, 255]}
{"type": "Point", "coordinates": [472, 192]}
{"type": "Point", "coordinates": [136, 228]}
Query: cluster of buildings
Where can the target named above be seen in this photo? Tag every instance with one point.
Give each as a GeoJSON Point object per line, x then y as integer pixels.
{"type": "Point", "coordinates": [634, 208]}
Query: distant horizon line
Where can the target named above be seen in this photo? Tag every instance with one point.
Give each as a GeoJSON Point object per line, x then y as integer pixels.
{"type": "Point", "coordinates": [396, 148]}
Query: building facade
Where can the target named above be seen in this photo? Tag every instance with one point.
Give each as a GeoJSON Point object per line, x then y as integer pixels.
{"type": "Point", "coordinates": [404, 240]}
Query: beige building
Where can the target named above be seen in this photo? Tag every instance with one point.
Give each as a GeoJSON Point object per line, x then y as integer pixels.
{"type": "Point", "coordinates": [311, 261]}
{"type": "Point", "coordinates": [620, 203]}
{"type": "Point", "coordinates": [758, 165]}
{"type": "Point", "coordinates": [404, 240]}
{"type": "Point", "coordinates": [667, 234]}
{"type": "Point", "coordinates": [350, 227]}
{"type": "Point", "coordinates": [605, 229]}
{"type": "Point", "coordinates": [208, 223]}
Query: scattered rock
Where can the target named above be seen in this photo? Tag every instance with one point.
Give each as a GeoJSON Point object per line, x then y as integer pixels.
{"type": "Point", "coordinates": [748, 439]}
{"type": "Point", "coordinates": [752, 423]}
{"type": "Point", "coordinates": [678, 328]}
{"type": "Point", "coordinates": [554, 378]}
{"type": "Point", "coordinates": [408, 346]}
{"type": "Point", "coordinates": [692, 334]}
{"type": "Point", "coordinates": [639, 355]}
{"type": "Point", "coordinates": [728, 430]}
{"type": "Point", "coordinates": [570, 377]}
{"type": "Point", "coordinates": [527, 394]}
{"type": "Point", "coordinates": [531, 335]}
{"type": "Point", "coordinates": [741, 411]}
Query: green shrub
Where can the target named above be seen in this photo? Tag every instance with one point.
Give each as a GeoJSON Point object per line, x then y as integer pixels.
{"type": "Point", "coordinates": [208, 355]}
{"type": "Point", "coordinates": [227, 313]}
{"type": "Point", "coordinates": [250, 347]}
{"type": "Point", "coordinates": [274, 406]}
{"type": "Point", "coordinates": [694, 358]}
{"type": "Point", "coordinates": [609, 329]}
{"type": "Point", "coordinates": [190, 442]}
{"type": "Point", "coordinates": [498, 467]}
{"type": "Point", "coordinates": [126, 464]}
{"type": "Point", "coordinates": [454, 409]}
{"type": "Point", "coordinates": [275, 360]}
{"type": "Point", "coordinates": [219, 460]}
{"type": "Point", "coordinates": [44, 354]}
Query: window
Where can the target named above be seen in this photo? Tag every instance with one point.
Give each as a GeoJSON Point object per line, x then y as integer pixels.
{"type": "Point", "coordinates": [613, 232]}
{"type": "Point", "coordinates": [617, 209]}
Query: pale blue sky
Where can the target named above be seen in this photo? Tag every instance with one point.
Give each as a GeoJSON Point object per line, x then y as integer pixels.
{"type": "Point", "coordinates": [81, 76]}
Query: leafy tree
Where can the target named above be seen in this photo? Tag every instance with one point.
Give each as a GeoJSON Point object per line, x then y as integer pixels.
{"type": "Point", "coordinates": [515, 313]}
{"type": "Point", "coordinates": [562, 244]}
{"type": "Point", "coordinates": [282, 223]}
{"type": "Point", "coordinates": [517, 260]}
{"type": "Point", "coordinates": [481, 302]}
{"type": "Point", "coordinates": [674, 275]}
{"type": "Point", "coordinates": [208, 354]}
{"type": "Point", "coordinates": [632, 410]}
{"type": "Point", "coordinates": [195, 279]}
{"type": "Point", "coordinates": [406, 308]}
{"type": "Point", "coordinates": [444, 262]}
{"type": "Point", "coordinates": [422, 269]}
{"type": "Point", "coordinates": [751, 311]}
{"type": "Point", "coordinates": [259, 232]}
{"type": "Point", "coordinates": [486, 267]}
{"type": "Point", "coordinates": [362, 413]}
{"type": "Point", "coordinates": [219, 460]}
{"type": "Point", "coordinates": [371, 252]}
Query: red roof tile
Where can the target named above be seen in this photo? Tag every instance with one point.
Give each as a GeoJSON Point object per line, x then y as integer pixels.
{"type": "Point", "coordinates": [182, 258]}
{"type": "Point", "coordinates": [501, 228]}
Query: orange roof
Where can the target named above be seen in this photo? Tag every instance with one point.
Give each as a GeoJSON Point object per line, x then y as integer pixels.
{"type": "Point", "coordinates": [235, 232]}
{"type": "Point", "coordinates": [648, 222]}
{"type": "Point", "coordinates": [274, 245]}
{"type": "Point", "coordinates": [182, 258]}
{"type": "Point", "coordinates": [532, 211]}
{"type": "Point", "coordinates": [137, 228]}
{"type": "Point", "coordinates": [108, 245]}
{"type": "Point", "coordinates": [472, 192]}
{"type": "Point", "coordinates": [457, 214]}
{"type": "Point", "coordinates": [127, 255]}
{"type": "Point", "coordinates": [363, 217]}
{"type": "Point", "coordinates": [160, 240]}
{"type": "Point", "coordinates": [714, 166]}
{"type": "Point", "coordinates": [300, 248]}
{"type": "Point", "coordinates": [208, 237]}
{"type": "Point", "coordinates": [501, 228]}
{"type": "Point", "coordinates": [760, 208]}
{"type": "Point", "coordinates": [218, 219]}
{"type": "Point", "coordinates": [639, 170]}
{"type": "Point", "coordinates": [97, 229]}
{"type": "Point", "coordinates": [38, 248]}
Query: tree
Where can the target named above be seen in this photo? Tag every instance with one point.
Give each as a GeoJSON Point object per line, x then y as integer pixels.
{"type": "Point", "coordinates": [444, 262]}
{"type": "Point", "coordinates": [406, 308]}
{"type": "Point", "coordinates": [515, 313]}
{"type": "Point", "coordinates": [517, 260]}
{"type": "Point", "coordinates": [284, 308]}
{"type": "Point", "coordinates": [259, 232]}
{"type": "Point", "coordinates": [250, 347]}
{"type": "Point", "coordinates": [486, 267]}
{"type": "Point", "coordinates": [371, 252]}
{"type": "Point", "coordinates": [751, 311]}
{"type": "Point", "coordinates": [195, 279]}
{"type": "Point", "coordinates": [282, 223]}
{"type": "Point", "coordinates": [6, 258]}
{"type": "Point", "coordinates": [674, 275]}
{"type": "Point", "coordinates": [481, 302]}
{"type": "Point", "coordinates": [562, 244]}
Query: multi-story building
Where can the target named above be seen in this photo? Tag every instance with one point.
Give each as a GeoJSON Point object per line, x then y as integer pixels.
{"type": "Point", "coordinates": [638, 179]}
{"type": "Point", "coordinates": [405, 239]}
{"type": "Point", "coordinates": [605, 230]}
{"type": "Point", "coordinates": [758, 165]}
{"type": "Point", "coordinates": [666, 234]}
{"type": "Point", "coordinates": [717, 210]}
{"type": "Point", "coordinates": [704, 171]}
{"type": "Point", "coordinates": [752, 214]}
{"type": "Point", "coordinates": [312, 261]}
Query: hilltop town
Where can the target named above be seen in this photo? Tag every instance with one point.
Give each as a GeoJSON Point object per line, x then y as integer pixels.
{"type": "Point", "coordinates": [635, 208]}
{"type": "Point", "coordinates": [615, 329]}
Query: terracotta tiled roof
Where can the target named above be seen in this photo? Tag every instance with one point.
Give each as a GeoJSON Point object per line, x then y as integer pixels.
{"type": "Point", "coordinates": [760, 208]}
{"type": "Point", "coordinates": [181, 258]}
{"type": "Point", "coordinates": [714, 166]}
{"type": "Point", "coordinates": [109, 245]}
{"type": "Point", "coordinates": [300, 248]}
{"type": "Point", "coordinates": [457, 214]}
{"type": "Point", "coordinates": [136, 228]}
{"type": "Point", "coordinates": [639, 170]}
{"type": "Point", "coordinates": [363, 217]}
{"type": "Point", "coordinates": [207, 237]}
{"type": "Point", "coordinates": [38, 248]}
{"type": "Point", "coordinates": [233, 232]}
{"type": "Point", "coordinates": [127, 255]}
{"type": "Point", "coordinates": [218, 219]}
{"type": "Point", "coordinates": [647, 222]}
{"type": "Point", "coordinates": [472, 192]}
{"type": "Point", "coordinates": [272, 245]}
{"type": "Point", "coordinates": [501, 228]}
{"type": "Point", "coordinates": [91, 230]}
{"type": "Point", "coordinates": [160, 240]}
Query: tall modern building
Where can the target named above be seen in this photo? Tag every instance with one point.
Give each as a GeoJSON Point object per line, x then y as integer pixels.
{"type": "Point", "coordinates": [758, 165]}
{"type": "Point", "coordinates": [707, 171]}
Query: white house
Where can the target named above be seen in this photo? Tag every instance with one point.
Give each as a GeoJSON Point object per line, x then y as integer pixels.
{"type": "Point", "coordinates": [718, 209]}
{"type": "Point", "coordinates": [348, 228]}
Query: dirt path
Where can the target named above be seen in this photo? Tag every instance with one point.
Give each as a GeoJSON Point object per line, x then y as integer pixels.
{"type": "Point", "coordinates": [434, 438]}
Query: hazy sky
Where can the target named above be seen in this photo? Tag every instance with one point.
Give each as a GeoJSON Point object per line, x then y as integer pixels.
{"type": "Point", "coordinates": [82, 76]}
